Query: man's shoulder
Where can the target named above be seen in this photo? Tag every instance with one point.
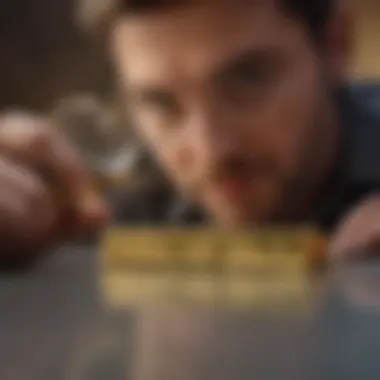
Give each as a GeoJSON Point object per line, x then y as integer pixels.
{"type": "Point", "coordinates": [366, 95]}
{"type": "Point", "coordinates": [362, 114]}
{"type": "Point", "coordinates": [359, 169]}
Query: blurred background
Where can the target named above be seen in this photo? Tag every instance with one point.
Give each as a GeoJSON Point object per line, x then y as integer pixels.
{"type": "Point", "coordinates": [49, 64]}
{"type": "Point", "coordinates": [46, 56]}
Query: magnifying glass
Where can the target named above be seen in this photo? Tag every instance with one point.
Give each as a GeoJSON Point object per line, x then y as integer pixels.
{"type": "Point", "coordinates": [104, 142]}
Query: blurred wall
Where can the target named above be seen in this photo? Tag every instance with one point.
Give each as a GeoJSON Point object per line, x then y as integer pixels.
{"type": "Point", "coordinates": [367, 44]}
{"type": "Point", "coordinates": [44, 55]}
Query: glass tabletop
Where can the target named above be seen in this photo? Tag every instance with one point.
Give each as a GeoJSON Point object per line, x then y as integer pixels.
{"type": "Point", "coordinates": [55, 325]}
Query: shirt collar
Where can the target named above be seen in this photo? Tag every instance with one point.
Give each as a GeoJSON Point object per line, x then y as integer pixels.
{"type": "Point", "coordinates": [362, 135]}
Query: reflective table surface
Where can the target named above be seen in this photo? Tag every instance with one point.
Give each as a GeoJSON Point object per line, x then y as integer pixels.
{"type": "Point", "coordinates": [54, 326]}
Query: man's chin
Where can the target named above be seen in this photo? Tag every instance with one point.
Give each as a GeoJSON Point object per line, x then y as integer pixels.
{"type": "Point", "coordinates": [257, 206]}
{"type": "Point", "coordinates": [234, 218]}
{"type": "Point", "coordinates": [242, 216]}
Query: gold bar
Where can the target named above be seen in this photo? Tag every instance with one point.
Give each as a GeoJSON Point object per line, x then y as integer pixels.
{"type": "Point", "coordinates": [276, 251]}
{"type": "Point", "coordinates": [142, 267]}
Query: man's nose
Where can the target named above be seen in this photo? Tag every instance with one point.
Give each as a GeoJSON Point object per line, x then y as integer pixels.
{"type": "Point", "coordinates": [215, 137]}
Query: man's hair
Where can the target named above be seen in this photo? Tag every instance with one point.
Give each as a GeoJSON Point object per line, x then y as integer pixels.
{"type": "Point", "coordinates": [314, 14]}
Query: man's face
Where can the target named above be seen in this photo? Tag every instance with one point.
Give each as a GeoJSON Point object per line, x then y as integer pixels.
{"type": "Point", "coordinates": [231, 99]}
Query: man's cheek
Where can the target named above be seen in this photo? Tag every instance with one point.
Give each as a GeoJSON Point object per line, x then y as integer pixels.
{"type": "Point", "coordinates": [179, 164]}
{"type": "Point", "coordinates": [184, 159]}
{"type": "Point", "coordinates": [292, 134]}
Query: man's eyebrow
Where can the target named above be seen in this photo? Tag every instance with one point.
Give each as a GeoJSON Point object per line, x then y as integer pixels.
{"type": "Point", "coordinates": [150, 94]}
{"type": "Point", "coordinates": [257, 57]}
{"type": "Point", "coordinates": [144, 90]}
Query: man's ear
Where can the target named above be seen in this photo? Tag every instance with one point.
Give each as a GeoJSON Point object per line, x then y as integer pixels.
{"type": "Point", "coordinates": [339, 42]}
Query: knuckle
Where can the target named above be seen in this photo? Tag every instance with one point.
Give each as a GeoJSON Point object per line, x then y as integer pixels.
{"type": "Point", "coordinates": [21, 182]}
{"type": "Point", "coordinates": [40, 207]}
{"type": "Point", "coordinates": [4, 166]}
{"type": "Point", "coordinates": [9, 118]}
{"type": "Point", "coordinates": [11, 174]}
{"type": "Point", "coordinates": [37, 194]}
{"type": "Point", "coordinates": [40, 140]}
{"type": "Point", "coordinates": [28, 131]}
{"type": "Point", "coordinates": [18, 122]}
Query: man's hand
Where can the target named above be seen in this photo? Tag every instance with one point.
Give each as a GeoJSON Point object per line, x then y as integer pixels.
{"type": "Point", "coordinates": [45, 192]}
{"type": "Point", "coordinates": [359, 233]}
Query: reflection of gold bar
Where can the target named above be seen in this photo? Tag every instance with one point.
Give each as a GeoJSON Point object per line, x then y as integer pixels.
{"type": "Point", "coordinates": [136, 289]}
{"type": "Point", "coordinates": [140, 290]}
{"type": "Point", "coordinates": [267, 292]}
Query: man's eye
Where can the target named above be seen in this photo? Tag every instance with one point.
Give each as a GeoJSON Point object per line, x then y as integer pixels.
{"type": "Point", "coordinates": [161, 102]}
{"type": "Point", "coordinates": [252, 75]}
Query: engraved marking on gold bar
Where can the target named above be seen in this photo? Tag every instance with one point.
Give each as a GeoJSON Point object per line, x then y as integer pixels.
{"type": "Point", "coordinates": [207, 249]}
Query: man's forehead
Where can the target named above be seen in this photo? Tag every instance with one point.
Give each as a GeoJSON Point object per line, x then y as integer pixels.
{"type": "Point", "coordinates": [200, 37]}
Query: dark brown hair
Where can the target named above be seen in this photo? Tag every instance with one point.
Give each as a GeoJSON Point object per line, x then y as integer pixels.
{"type": "Point", "coordinates": [314, 14]}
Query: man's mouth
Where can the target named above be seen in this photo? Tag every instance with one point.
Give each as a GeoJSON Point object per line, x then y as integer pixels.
{"type": "Point", "coordinates": [233, 189]}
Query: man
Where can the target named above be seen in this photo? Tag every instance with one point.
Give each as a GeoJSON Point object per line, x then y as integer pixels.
{"type": "Point", "coordinates": [245, 106]}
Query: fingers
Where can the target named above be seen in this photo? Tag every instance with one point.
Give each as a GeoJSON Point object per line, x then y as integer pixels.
{"type": "Point", "coordinates": [358, 235]}
{"type": "Point", "coordinates": [33, 141]}
{"type": "Point", "coordinates": [46, 193]}
{"type": "Point", "coordinates": [27, 211]}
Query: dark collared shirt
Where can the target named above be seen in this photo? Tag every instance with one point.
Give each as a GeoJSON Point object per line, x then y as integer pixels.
{"type": "Point", "coordinates": [357, 174]}
{"type": "Point", "coordinates": [358, 171]}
